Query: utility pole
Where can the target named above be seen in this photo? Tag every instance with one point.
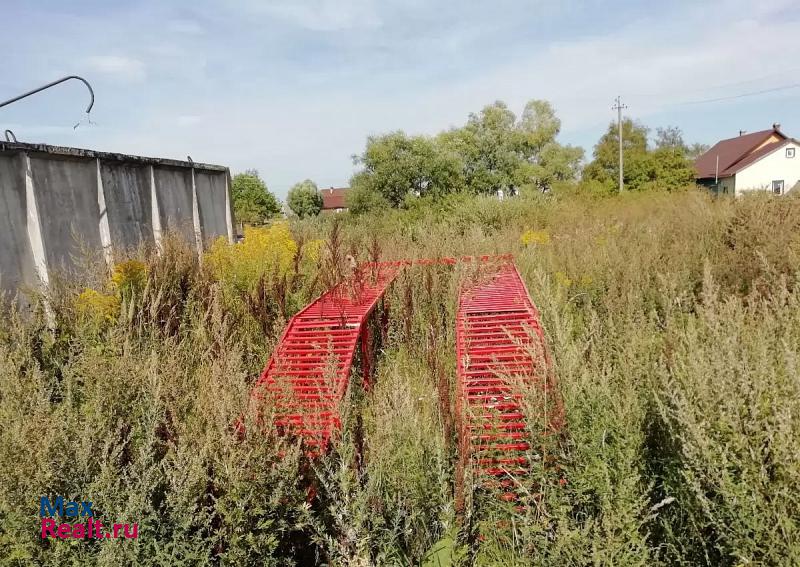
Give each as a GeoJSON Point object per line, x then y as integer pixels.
{"type": "Point", "coordinates": [618, 106]}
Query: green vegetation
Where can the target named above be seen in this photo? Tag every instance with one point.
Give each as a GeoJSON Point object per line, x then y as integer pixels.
{"type": "Point", "coordinates": [304, 199]}
{"type": "Point", "coordinates": [674, 326]}
{"type": "Point", "coordinates": [497, 153]}
{"type": "Point", "coordinates": [666, 167]}
{"type": "Point", "coordinates": [493, 152]}
{"type": "Point", "coordinates": [252, 201]}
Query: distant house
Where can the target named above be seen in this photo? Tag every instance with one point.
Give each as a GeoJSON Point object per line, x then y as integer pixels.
{"type": "Point", "coordinates": [334, 200]}
{"type": "Point", "coordinates": [768, 160]}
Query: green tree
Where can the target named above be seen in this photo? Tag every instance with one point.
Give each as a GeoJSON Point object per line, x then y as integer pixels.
{"type": "Point", "coordinates": [666, 167]}
{"type": "Point", "coordinates": [396, 164]}
{"type": "Point", "coordinates": [252, 201]}
{"type": "Point", "coordinates": [488, 146]}
{"type": "Point", "coordinates": [493, 151]}
{"type": "Point", "coordinates": [304, 199]}
{"type": "Point", "coordinates": [501, 152]}
{"type": "Point", "coordinates": [605, 166]}
{"type": "Point", "coordinates": [545, 161]}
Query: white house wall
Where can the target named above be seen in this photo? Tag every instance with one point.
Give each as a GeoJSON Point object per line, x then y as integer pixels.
{"type": "Point", "coordinates": [776, 166]}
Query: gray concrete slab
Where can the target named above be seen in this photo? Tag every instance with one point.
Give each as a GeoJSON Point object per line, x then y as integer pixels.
{"type": "Point", "coordinates": [211, 203]}
{"type": "Point", "coordinates": [127, 194]}
{"type": "Point", "coordinates": [16, 260]}
{"type": "Point", "coordinates": [66, 196]}
{"type": "Point", "coordinates": [174, 191]}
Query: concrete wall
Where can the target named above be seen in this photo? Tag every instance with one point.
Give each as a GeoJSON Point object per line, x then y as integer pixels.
{"type": "Point", "coordinates": [60, 205]}
{"type": "Point", "coordinates": [16, 258]}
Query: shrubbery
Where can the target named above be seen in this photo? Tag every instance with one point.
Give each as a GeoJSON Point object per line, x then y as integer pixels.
{"type": "Point", "coordinates": [674, 327]}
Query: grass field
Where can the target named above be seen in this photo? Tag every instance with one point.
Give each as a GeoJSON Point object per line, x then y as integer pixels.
{"type": "Point", "coordinates": [674, 326]}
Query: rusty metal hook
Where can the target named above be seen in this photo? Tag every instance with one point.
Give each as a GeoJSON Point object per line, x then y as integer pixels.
{"type": "Point", "coordinates": [54, 83]}
{"type": "Point", "coordinates": [10, 137]}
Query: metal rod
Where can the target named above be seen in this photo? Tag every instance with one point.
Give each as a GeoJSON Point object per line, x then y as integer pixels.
{"type": "Point", "coordinates": [10, 137]}
{"type": "Point", "coordinates": [54, 83]}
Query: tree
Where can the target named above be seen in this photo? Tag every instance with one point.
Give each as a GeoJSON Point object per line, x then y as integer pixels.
{"type": "Point", "coordinates": [666, 167]}
{"type": "Point", "coordinates": [546, 162]}
{"type": "Point", "coordinates": [493, 151]}
{"type": "Point", "coordinates": [670, 137]}
{"type": "Point", "coordinates": [304, 199]}
{"type": "Point", "coordinates": [605, 166]}
{"type": "Point", "coordinates": [252, 201]}
{"type": "Point", "coordinates": [696, 150]}
{"type": "Point", "coordinates": [396, 164]}
{"type": "Point", "coordinates": [487, 148]}
{"type": "Point", "coordinates": [501, 152]}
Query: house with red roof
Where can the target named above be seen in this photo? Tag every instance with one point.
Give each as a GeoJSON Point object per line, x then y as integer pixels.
{"type": "Point", "coordinates": [767, 160]}
{"type": "Point", "coordinates": [334, 199]}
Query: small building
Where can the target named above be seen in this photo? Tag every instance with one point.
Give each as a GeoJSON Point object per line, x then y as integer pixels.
{"type": "Point", "coordinates": [768, 160]}
{"type": "Point", "coordinates": [334, 199]}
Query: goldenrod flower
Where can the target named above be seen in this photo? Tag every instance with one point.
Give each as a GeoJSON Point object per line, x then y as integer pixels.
{"type": "Point", "coordinates": [540, 237]}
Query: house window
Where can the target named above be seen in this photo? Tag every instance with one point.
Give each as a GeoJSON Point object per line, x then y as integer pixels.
{"type": "Point", "coordinates": [789, 152]}
{"type": "Point", "coordinates": [777, 187]}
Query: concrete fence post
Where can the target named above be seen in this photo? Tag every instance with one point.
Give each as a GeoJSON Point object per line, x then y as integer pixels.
{"type": "Point", "coordinates": [35, 227]}
{"type": "Point", "coordinates": [228, 208]}
{"type": "Point", "coordinates": [155, 215]}
{"type": "Point", "coordinates": [198, 233]}
{"type": "Point", "coordinates": [105, 230]}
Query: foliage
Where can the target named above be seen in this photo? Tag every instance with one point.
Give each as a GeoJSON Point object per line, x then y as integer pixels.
{"type": "Point", "coordinates": [494, 151]}
{"type": "Point", "coordinates": [129, 277]}
{"type": "Point", "coordinates": [264, 252]}
{"type": "Point", "coordinates": [665, 168]}
{"type": "Point", "coordinates": [97, 308]}
{"type": "Point", "coordinates": [531, 236]}
{"type": "Point", "coordinates": [304, 199]}
{"type": "Point", "coordinates": [673, 322]}
{"type": "Point", "coordinates": [396, 164]}
{"type": "Point", "coordinates": [252, 201]}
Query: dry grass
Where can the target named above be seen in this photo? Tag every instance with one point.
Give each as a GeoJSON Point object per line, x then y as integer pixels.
{"type": "Point", "coordinates": [674, 326]}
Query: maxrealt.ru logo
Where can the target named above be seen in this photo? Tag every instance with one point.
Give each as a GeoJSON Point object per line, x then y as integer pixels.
{"type": "Point", "coordinates": [90, 528]}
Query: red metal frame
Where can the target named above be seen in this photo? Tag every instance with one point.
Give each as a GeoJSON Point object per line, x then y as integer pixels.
{"type": "Point", "coordinates": [497, 327]}
{"type": "Point", "coordinates": [306, 377]}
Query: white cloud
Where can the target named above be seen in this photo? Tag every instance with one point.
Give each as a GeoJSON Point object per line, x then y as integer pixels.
{"type": "Point", "coordinates": [189, 119]}
{"type": "Point", "coordinates": [324, 15]}
{"type": "Point", "coordinates": [188, 27]}
{"type": "Point", "coordinates": [117, 67]}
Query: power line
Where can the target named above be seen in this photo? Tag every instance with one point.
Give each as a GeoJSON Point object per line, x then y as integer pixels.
{"type": "Point", "coordinates": [742, 95]}
{"type": "Point", "coordinates": [760, 78]}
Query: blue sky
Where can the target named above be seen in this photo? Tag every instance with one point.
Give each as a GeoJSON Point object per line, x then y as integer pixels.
{"type": "Point", "coordinates": [294, 87]}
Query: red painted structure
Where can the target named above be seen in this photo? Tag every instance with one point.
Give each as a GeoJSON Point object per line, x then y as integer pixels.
{"type": "Point", "coordinates": [500, 352]}
{"type": "Point", "coordinates": [306, 377]}
{"type": "Point", "coordinates": [500, 348]}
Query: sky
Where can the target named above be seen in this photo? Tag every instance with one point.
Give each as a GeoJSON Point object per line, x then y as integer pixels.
{"type": "Point", "coordinates": [293, 88]}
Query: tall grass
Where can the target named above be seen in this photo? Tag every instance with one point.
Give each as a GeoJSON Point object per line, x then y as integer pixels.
{"type": "Point", "coordinates": [673, 324]}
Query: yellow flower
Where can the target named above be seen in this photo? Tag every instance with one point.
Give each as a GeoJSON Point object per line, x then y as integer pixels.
{"type": "Point", "coordinates": [129, 275]}
{"type": "Point", "coordinates": [263, 251]}
{"type": "Point", "coordinates": [313, 249]}
{"type": "Point", "coordinates": [562, 279]}
{"type": "Point", "coordinates": [586, 281]}
{"type": "Point", "coordinates": [535, 237]}
{"type": "Point", "coordinates": [96, 307]}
